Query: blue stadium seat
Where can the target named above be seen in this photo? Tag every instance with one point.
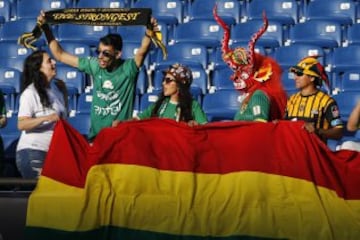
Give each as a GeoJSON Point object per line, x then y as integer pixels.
{"type": "Point", "coordinates": [221, 78]}
{"type": "Point", "coordinates": [142, 82]}
{"type": "Point", "coordinates": [288, 56]}
{"type": "Point", "coordinates": [284, 11]}
{"type": "Point", "coordinates": [341, 11]}
{"type": "Point", "coordinates": [10, 78]}
{"type": "Point", "coordinates": [77, 48]}
{"type": "Point", "coordinates": [101, 4]}
{"type": "Point", "coordinates": [272, 38]}
{"type": "Point", "coordinates": [349, 80]}
{"type": "Point", "coordinates": [5, 11]}
{"type": "Point", "coordinates": [170, 12]}
{"type": "Point", "coordinates": [131, 33]}
{"type": "Point", "coordinates": [147, 99]}
{"type": "Point", "coordinates": [31, 8]}
{"type": "Point", "coordinates": [221, 105]}
{"type": "Point", "coordinates": [73, 78]}
{"type": "Point", "coordinates": [10, 136]}
{"type": "Point", "coordinates": [84, 34]}
{"type": "Point", "coordinates": [346, 102]}
{"type": "Point", "coordinates": [129, 50]}
{"type": "Point", "coordinates": [190, 54]}
{"type": "Point", "coordinates": [345, 58]}
{"type": "Point", "coordinates": [206, 32]}
{"type": "Point", "coordinates": [287, 80]}
{"type": "Point", "coordinates": [13, 50]}
{"type": "Point", "coordinates": [323, 33]}
{"type": "Point", "coordinates": [81, 122]}
{"type": "Point", "coordinates": [84, 103]}
{"type": "Point", "coordinates": [229, 11]}
{"type": "Point", "coordinates": [12, 30]}
{"type": "Point", "coordinates": [353, 34]}
{"type": "Point", "coordinates": [11, 62]}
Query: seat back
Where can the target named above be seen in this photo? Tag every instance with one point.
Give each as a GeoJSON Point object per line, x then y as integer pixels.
{"type": "Point", "coordinates": [5, 11]}
{"type": "Point", "coordinates": [32, 8]}
{"type": "Point", "coordinates": [85, 34]}
{"type": "Point", "coordinates": [342, 11]}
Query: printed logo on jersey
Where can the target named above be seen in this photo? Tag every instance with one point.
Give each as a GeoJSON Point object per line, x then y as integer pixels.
{"type": "Point", "coordinates": [108, 84]}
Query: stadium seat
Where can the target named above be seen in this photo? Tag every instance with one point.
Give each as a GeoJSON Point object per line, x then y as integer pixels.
{"type": "Point", "coordinates": [341, 11]}
{"type": "Point", "coordinates": [142, 82]}
{"type": "Point", "coordinates": [10, 78]}
{"type": "Point", "coordinates": [229, 11]}
{"type": "Point", "coordinates": [13, 50]}
{"type": "Point", "coordinates": [11, 62]}
{"type": "Point", "coordinates": [147, 99]}
{"type": "Point", "coordinates": [84, 103]}
{"type": "Point", "coordinates": [221, 78]}
{"type": "Point", "coordinates": [353, 34]}
{"type": "Point", "coordinates": [190, 54]}
{"type": "Point", "coordinates": [32, 8]}
{"type": "Point", "coordinates": [129, 50]}
{"type": "Point", "coordinates": [81, 122]}
{"type": "Point", "coordinates": [131, 33]}
{"type": "Point", "coordinates": [10, 135]}
{"type": "Point", "coordinates": [12, 30]}
{"type": "Point", "coordinates": [170, 12]}
{"type": "Point", "coordinates": [323, 33]}
{"type": "Point", "coordinates": [272, 38]}
{"type": "Point", "coordinates": [77, 48]}
{"type": "Point", "coordinates": [346, 102]}
{"type": "Point", "coordinates": [221, 105]}
{"type": "Point", "coordinates": [345, 58]}
{"type": "Point", "coordinates": [102, 4]}
{"type": "Point", "coordinates": [288, 56]}
{"type": "Point", "coordinates": [206, 32]}
{"type": "Point", "coordinates": [284, 11]}
{"type": "Point", "coordinates": [5, 11]}
{"type": "Point", "coordinates": [85, 34]}
{"type": "Point", "coordinates": [73, 78]}
{"type": "Point", "coordinates": [287, 80]}
{"type": "Point", "coordinates": [349, 80]}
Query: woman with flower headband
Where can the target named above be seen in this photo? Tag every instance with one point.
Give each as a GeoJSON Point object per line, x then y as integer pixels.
{"type": "Point", "coordinates": [175, 101]}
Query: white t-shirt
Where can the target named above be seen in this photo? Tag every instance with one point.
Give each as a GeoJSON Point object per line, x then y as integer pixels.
{"type": "Point", "coordinates": [30, 106]}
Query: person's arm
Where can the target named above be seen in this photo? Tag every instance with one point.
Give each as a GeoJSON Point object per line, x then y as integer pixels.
{"type": "Point", "coordinates": [54, 46]}
{"type": "Point", "coordinates": [145, 43]}
{"type": "Point", "coordinates": [28, 123]}
{"type": "Point", "coordinates": [353, 121]}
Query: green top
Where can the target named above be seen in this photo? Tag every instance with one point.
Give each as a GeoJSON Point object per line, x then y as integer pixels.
{"type": "Point", "coordinates": [256, 109]}
{"type": "Point", "coordinates": [169, 109]}
{"type": "Point", "coordinates": [113, 94]}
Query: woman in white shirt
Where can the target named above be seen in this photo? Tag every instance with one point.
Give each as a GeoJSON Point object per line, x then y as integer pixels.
{"type": "Point", "coordinates": [42, 103]}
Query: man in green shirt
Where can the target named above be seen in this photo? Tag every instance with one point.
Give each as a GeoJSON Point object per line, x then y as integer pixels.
{"type": "Point", "coordinates": [114, 78]}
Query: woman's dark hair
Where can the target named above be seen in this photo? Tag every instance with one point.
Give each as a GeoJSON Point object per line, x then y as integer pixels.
{"type": "Point", "coordinates": [114, 40]}
{"type": "Point", "coordinates": [185, 103]}
{"type": "Point", "coordinates": [32, 74]}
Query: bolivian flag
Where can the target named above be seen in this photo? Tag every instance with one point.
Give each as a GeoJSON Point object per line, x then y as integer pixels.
{"type": "Point", "coordinates": [158, 179]}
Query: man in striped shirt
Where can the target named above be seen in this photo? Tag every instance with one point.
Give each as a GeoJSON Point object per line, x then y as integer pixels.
{"type": "Point", "coordinates": [319, 110]}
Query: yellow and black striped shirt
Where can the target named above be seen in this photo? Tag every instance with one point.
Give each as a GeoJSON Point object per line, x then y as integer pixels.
{"type": "Point", "coordinates": [319, 108]}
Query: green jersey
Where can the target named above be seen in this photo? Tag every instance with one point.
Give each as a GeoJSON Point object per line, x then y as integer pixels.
{"type": "Point", "coordinates": [113, 93]}
{"type": "Point", "coordinates": [256, 109]}
{"type": "Point", "coordinates": [170, 110]}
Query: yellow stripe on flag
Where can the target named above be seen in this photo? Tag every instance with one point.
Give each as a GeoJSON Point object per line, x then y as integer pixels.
{"type": "Point", "coordinates": [186, 203]}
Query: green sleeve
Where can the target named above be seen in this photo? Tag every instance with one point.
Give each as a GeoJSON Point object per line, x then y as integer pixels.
{"type": "Point", "coordinates": [147, 112]}
{"type": "Point", "coordinates": [198, 114]}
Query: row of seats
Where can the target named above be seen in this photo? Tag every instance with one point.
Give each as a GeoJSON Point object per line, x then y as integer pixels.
{"type": "Point", "coordinates": [176, 11]}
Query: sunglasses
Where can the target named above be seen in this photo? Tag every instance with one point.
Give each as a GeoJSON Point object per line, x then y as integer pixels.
{"type": "Point", "coordinates": [299, 74]}
{"type": "Point", "coordinates": [168, 80]}
{"type": "Point", "coordinates": [105, 53]}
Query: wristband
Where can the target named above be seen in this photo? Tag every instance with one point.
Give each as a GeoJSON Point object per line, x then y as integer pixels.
{"type": "Point", "coordinates": [48, 33]}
